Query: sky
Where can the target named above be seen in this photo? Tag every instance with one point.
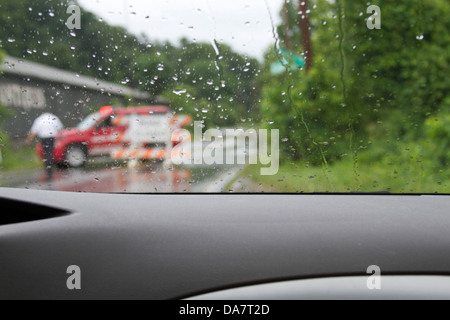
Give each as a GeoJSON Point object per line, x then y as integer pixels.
{"type": "Point", "coordinates": [245, 25]}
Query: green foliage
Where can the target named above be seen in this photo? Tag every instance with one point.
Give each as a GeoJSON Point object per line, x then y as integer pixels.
{"type": "Point", "coordinates": [36, 31]}
{"type": "Point", "coordinates": [365, 85]}
{"type": "Point", "coordinates": [437, 129]}
{"type": "Point", "coordinates": [4, 113]}
{"type": "Point", "coordinates": [16, 157]}
{"type": "Point", "coordinates": [379, 176]}
{"type": "Point", "coordinates": [216, 89]}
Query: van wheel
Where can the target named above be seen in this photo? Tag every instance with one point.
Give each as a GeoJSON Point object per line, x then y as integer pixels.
{"type": "Point", "coordinates": [76, 156]}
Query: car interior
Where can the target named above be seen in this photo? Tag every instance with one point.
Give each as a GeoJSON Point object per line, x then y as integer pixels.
{"type": "Point", "coordinates": [260, 247]}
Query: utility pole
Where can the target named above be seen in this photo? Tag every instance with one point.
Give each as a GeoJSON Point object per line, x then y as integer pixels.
{"type": "Point", "coordinates": [306, 33]}
{"type": "Point", "coordinates": [287, 31]}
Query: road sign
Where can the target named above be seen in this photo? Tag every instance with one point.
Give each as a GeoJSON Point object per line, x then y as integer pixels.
{"type": "Point", "coordinates": [288, 61]}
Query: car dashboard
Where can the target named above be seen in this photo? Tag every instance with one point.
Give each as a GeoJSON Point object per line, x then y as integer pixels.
{"type": "Point", "coordinates": [223, 246]}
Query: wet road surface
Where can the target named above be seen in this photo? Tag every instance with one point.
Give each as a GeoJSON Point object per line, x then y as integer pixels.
{"type": "Point", "coordinates": [101, 177]}
{"type": "Point", "coordinates": [104, 175]}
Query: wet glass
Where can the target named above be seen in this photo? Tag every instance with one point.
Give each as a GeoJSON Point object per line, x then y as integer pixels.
{"type": "Point", "coordinates": [243, 96]}
{"type": "Point", "coordinates": [88, 122]}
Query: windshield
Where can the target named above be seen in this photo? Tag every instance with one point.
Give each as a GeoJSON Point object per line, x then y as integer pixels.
{"type": "Point", "coordinates": [283, 96]}
{"type": "Point", "coordinates": [88, 122]}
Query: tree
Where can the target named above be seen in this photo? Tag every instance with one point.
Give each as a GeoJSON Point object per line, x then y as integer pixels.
{"type": "Point", "coordinates": [366, 85]}
{"type": "Point", "coordinates": [303, 16]}
{"type": "Point", "coordinates": [4, 112]}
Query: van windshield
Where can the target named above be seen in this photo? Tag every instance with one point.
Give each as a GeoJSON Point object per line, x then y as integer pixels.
{"type": "Point", "coordinates": [89, 122]}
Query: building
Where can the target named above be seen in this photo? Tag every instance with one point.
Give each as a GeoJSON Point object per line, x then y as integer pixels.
{"type": "Point", "coordinates": [29, 89]}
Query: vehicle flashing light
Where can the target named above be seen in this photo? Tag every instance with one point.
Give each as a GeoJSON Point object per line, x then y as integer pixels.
{"type": "Point", "coordinates": [106, 110]}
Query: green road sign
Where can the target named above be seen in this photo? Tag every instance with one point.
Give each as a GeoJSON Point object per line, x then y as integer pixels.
{"type": "Point", "coordinates": [288, 61]}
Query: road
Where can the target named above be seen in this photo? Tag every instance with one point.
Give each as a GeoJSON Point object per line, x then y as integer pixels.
{"type": "Point", "coordinates": [103, 175]}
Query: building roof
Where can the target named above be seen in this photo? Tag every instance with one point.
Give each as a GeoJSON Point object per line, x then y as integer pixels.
{"type": "Point", "coordinates": [36, 70]}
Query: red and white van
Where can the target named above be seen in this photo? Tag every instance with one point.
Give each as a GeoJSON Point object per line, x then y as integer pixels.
{"type": "Point", "coordinates": [99, 134]}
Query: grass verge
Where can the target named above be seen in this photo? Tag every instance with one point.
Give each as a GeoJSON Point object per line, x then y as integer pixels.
{"type": "Point", "coordinates": [343, 176]}
{"type": "Point", "coordinates": [19, 159]}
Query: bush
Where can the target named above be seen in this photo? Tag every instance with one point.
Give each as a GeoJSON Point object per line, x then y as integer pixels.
{"type": "Point", "coordinates": [437, 130]}
{"type": "Point", "coordinates": [366, 90]}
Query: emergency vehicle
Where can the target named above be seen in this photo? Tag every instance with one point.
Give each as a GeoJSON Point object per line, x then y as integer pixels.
{"type": "Point", "coordinates": [109, 133]}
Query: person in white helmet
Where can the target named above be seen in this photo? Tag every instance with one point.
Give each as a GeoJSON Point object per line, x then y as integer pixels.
{"type": "Point", "coordinates": [46, 127]}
